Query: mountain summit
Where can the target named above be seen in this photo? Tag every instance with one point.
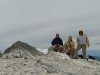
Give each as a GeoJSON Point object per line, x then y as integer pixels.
{"type": "Point", "coordinates": [23, 46]}
{"type": "Point", "coordinates": [23, 59]}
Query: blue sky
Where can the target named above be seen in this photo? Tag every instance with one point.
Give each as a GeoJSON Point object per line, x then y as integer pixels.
{"type": "Point", "coordinates": [37, 21]}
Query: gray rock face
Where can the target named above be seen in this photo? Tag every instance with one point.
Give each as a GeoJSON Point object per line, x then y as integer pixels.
{"type": "Point", "coordinates": [17, 53]}
{"type": "Point", "coordinates": [54, 63]}
{"type": "Point", "coordinates": [18, 60]}
{"type": "Point", "coordinates": [23, 46]}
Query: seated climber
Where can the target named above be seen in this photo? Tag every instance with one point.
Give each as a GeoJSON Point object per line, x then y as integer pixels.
{"type": "Point", "coordinates": [69, 47]}
{"type": "Point", "coordinates": [57, 44]}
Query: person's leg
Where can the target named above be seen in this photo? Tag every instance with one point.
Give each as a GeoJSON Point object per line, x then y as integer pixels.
{"type": "Point", "coordinates": [76, 52]}
{"type": "Point", "coordinates": [68, 53]}
{"type": "Point", "coordinates": [72, 52]}
{"type": "Point", "coordinates": [84, 51]}
{"type": "Point", "coordinates": [60, 49]}
{"type": "Point", "coordinates": [64, 49]}
{"type": "Point", "coordinates": [56, 48]}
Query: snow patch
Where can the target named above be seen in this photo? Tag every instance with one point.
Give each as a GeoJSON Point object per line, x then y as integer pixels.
{"type": "Point", "coordinates": [45, 51]}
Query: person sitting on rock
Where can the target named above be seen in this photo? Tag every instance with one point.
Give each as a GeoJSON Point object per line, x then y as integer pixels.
{"type": "Point", "coordinates": [69, 47]}
{"type": "Point", "coordinates": [57, 44]}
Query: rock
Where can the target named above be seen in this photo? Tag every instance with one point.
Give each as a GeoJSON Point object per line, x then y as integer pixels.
{"type": "Point", "coordinates": [58, 56]}
{"type": "Point", "coordinates": [17, 53]}
{"type": "Point", "coordinates": [21, 62]}
{"type": "Point", "coordinates": [24, 46]}
{"type": "Point", "coordinates": [20, 49]}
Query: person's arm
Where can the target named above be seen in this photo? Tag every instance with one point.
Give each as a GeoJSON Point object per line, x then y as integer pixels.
{"type": "Point", "coordinates": [77, 42]}
{"type": "Point", "coordinates": [61, 42]}
{"type": "Point", "coordinates": [88, 42]}
{"type": "Point", "coordinates": [53, 42]}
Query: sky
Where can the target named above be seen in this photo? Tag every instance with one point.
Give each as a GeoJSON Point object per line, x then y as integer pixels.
{"type": "Point", "coordinates": [37, 21]}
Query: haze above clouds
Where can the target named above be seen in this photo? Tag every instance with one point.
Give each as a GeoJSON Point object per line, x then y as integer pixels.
{"type": "Point", "coordinates": [37, 21]}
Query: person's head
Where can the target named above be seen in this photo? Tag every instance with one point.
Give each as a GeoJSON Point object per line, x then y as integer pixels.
{"type": "Point", "coordinates": [80, 32]}
{"type": "Point", "coordinates": [57, 35]}
{"type": "Point", "coordinates": [70, 38]}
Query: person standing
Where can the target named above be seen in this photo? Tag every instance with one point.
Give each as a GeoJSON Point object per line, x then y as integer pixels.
{"type": "Point", "coordinates": [82, 43]}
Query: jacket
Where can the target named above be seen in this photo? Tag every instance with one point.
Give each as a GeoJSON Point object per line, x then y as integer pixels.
{"type": "Point", "coordinates": [57, 41]}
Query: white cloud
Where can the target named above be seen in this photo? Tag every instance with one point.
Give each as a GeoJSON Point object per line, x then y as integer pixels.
{"type": "Point", "coordinates": [37, 21]}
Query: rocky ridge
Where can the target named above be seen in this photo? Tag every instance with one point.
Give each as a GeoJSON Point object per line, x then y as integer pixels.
{"type": "Point", "coordinates": [53, 63]}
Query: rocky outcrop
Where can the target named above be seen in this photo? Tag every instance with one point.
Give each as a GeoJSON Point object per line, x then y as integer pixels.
{"type": "Point", "coordinates": [21, 49]}
{"type": "Point", "coordinates": [54, 63]}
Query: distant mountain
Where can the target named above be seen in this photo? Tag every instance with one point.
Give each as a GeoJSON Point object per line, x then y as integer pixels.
{"type": "Point", "coordinates": [21, 45]}
{"type": "Point", "coordinates": [97, 58]}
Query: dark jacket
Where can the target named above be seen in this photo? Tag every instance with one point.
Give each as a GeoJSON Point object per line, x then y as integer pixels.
{"type": "Point", "coordinates": [57, 41]}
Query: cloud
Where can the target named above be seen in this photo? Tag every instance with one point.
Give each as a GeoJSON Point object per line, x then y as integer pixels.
{"type": "Point", "coordinates": [36, 22]}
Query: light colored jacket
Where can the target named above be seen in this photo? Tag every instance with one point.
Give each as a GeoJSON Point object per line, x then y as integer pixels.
{"type": "Point", "coordinates": [81, 40]}
{"type": "Point", "coordinates": [69, 44]}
